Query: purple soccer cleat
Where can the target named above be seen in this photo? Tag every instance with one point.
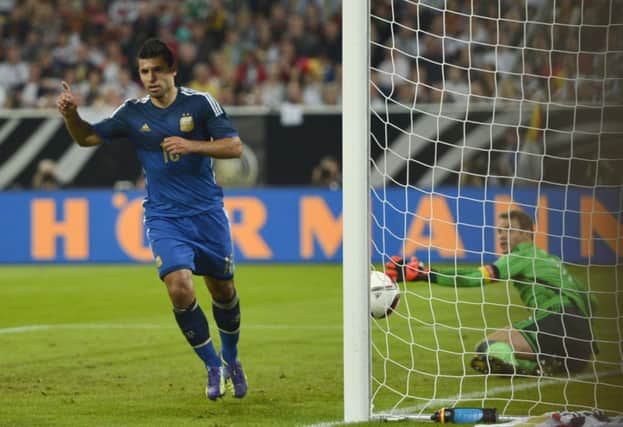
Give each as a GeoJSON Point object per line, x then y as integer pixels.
{"type": "Point", "coordinates": [216, 384]}
{"type": "Point", "coordinates": [235, 379]}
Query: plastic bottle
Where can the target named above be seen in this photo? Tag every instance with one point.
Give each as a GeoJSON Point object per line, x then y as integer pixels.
{"type": "Point", "coordinates": [465, 415]}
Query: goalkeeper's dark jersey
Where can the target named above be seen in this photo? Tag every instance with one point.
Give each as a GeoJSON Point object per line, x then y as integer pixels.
{"type": "Point", "coordinates": [542, 280]}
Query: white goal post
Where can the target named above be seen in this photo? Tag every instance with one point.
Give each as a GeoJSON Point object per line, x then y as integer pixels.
{"type": "Point", "coordinates": [453, 113]}
{"type": "Point", "coordinates": [355, 202]}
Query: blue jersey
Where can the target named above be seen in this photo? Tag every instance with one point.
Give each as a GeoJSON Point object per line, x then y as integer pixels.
{"type": "Point", "coordinates": [177, 185]}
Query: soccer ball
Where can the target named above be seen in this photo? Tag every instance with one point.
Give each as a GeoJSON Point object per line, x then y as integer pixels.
{"type": "Point", "coordinates": [384, 295]}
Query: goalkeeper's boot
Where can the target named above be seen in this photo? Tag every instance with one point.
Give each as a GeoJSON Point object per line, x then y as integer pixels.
{"type": "Point", "coordinates": [500, 359]}
{"type": "Point", "coordinates": [216, 383]}
{"type": "Point", "coordinates": [550, 366]}
{"type": "Point", "coordinates": [235, 379]}
{"type": "Point", "coordinates": [492, 365]}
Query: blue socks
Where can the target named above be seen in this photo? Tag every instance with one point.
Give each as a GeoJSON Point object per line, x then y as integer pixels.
{"type": "Point", "coordinates": [227, 317]}
{"type": "Point", "coordinates": [194, 326]}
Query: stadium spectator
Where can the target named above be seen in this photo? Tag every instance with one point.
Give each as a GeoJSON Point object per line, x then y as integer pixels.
{"type": "Point", "coordinates": [278, 20]}
{"type": "Point", "coordinates": [182, 195]}
{"type": "Point", "coordinates": [331, 42]}
{"type": "Point", "coordinates": [199, 37]}
{"type": "Point", "coordinates": [504, 159]}
{"type": "Point", "coordinates": [13, 70]}
{"type": "Point", "coordinates": [30, 94]}
{"type": "Point", "coordinates": [186, 60]}
{"type": "Point", "coordinates": [113, 62]}
{"type": "Point", "coordinates": [327, 174]}
{"type": "Point", "coordinates": [457, 84]}
{"type": "Point", "coordinates": [250, 73]}
{"type": "Point", "coordinates": [202, 80]}
{"type": "Point", "coordinates": [145, 25]}
{"type": "Point", "coordinates": [392, 69]}
{"type": "Point", "coordinates": [273, 90]}
{"type": "Point", "coordinates": [331, 94]}
{"type": "Point", "coordinates": [127, 87]}
{"type": "Point", "coordinates": [556, 338]}
{"type": "Point", "coordinates": [3, 98]}
{"type": "Point", "coordinates": [313, 88]}
{"type": "Point", "coordinates": [45, 177]}
{"type": "Point", "coordinates": [123, 11]}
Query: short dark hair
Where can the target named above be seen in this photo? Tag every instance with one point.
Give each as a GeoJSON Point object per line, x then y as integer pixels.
{"type": "Point", "coordinates": [154, 48]}
{"type": "Point", "coordinates": [522, 218]}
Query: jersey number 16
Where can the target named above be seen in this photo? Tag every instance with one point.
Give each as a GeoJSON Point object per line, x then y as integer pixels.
{"type": "Point", "coordinates": [168, 157]}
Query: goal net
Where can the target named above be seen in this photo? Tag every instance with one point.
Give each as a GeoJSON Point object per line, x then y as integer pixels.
{"type": "Point", "coordinates": [477, 108]}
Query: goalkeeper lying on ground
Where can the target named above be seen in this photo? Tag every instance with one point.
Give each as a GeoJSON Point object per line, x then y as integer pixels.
{"type": "Point", "coordinates": [556, 338]}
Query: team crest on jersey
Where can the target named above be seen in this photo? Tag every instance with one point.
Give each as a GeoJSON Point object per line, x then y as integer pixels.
{"type": "Point", "coordinates": [186, 122]}
{"type": "Point", "coordinates": [145, 128]}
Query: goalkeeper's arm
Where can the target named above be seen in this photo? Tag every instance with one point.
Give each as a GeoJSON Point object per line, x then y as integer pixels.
{"type": "Point", "coordinates": [468, 277]}
{"type": "Point", "coordinates": [413, 270]}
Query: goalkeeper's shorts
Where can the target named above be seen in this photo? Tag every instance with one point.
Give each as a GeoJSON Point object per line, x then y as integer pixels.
{"type": "Point", "coordinates": [200, 243]}
{"type": "Point", "coordinates": [566, 336]}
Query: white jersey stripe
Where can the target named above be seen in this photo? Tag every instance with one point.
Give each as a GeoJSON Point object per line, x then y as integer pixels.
{"type": "Point", "coordinates": [142, 100]}
{"type": "Point", "coordinates": [119, 108]}
{"type": "Point", "coordinates": [216, 107]}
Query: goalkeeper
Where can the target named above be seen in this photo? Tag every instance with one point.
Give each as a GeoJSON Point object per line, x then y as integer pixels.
{"type": "Point", "coordinates": [556, 338]}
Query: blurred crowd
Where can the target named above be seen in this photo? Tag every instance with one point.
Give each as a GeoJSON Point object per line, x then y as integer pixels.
{"type": "Point", "coordinates": [522, 55]}
{"type": "Point", "coordinates": [270, 52]}
{"type": "Point", "coordinates": [460, 51]}
{"type": "Point", "coordinates": [244, 52]}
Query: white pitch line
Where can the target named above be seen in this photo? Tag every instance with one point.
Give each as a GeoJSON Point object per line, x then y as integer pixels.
{"type": "Point", "coordinates": [61, 326]}
{"type": "Point", "coordinates": [35, 328]}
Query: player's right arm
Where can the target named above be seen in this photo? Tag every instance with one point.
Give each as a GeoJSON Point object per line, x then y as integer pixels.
{"type": "Point", "coordinates": [81, 131]}
{"type": "Point", "coordinates": [467, 278]}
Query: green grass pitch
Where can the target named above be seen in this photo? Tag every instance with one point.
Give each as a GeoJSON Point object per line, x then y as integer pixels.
{"type": "Point", "coordinates": [98, 346]}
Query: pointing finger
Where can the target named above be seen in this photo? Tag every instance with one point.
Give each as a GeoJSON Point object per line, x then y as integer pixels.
{"type": "Point", "coordinates": [65, 86]}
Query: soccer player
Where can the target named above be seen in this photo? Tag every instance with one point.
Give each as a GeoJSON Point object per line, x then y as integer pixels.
{"type": "Point", "coordinates": [176, 133]}
{"type": "Point", "coordinates": [557, 337]}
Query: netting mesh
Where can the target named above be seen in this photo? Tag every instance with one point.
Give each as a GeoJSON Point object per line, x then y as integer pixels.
{"type": "Point", "coordinates": [477, 108]}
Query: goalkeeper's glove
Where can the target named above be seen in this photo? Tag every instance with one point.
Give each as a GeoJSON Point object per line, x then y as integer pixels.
{"type": "Point", "coordinates": [410, 270]}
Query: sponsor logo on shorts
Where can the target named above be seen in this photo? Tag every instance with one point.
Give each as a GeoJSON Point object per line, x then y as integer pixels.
{"type": "Point", "coordinates": [229, 264]}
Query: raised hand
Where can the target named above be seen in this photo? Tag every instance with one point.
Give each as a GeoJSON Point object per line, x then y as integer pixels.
{"type": "Point", "coordinates": [66, 102]}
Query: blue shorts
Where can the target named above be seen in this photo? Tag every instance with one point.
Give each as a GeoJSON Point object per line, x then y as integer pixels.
{"type": "Point", "coordinates": [200, 243]}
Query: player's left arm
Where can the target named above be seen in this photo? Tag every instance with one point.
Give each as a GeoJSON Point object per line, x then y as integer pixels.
{"type": "Point", "coordinates": [222, 148]}
{"type": "Point", "coordinates": [222, 139]}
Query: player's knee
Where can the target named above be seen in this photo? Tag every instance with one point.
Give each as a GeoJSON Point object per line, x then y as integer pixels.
{"type": "Point", "coordinates": [221, 290]}
{"type": "Point", "coordinates": [181, 297]}
{"type": "Point", "coordinates": [181, 289]}
{"type": "Point", "coordinates": [224, 293]}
